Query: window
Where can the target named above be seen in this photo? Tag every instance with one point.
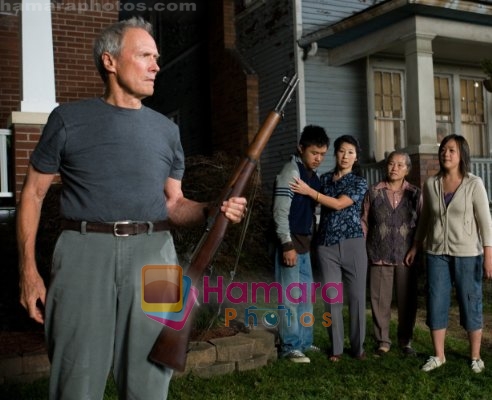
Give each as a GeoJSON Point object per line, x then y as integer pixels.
{"type": "Point", "coordinates": [460, 107]}
{"type": "Point", "coordinates": [472, 116]}
{"type": "Point", "coordinates": [389, 121]}
{"type": "Point", "coordinates": [443, 102]}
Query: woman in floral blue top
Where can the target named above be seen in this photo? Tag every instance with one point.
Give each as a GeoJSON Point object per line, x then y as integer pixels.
{"type": "Point", "coordinates": [341, 247]}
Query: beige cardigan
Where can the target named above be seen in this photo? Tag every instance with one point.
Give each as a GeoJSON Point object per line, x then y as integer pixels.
{"type": "Point", "coordinates": [462, 228]}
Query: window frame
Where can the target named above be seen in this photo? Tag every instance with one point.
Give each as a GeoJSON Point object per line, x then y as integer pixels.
{"type": "Point", "coordinates": [392, 66]}
{"type": "Point", "coordinates": [454, 73]}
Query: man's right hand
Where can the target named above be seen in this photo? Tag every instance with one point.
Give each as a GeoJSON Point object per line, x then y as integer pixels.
{"type": "Point", "coordinates": [32, 289]}
{"type": "Point", "coordinates": [290, 258]}
{"type": "Point", "coordinates": [32, 293]}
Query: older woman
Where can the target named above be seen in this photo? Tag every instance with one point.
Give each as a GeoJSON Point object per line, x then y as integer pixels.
{"type": "Point", "coordinates": [390, 214]}
{"type": "Point", "coordinates": [341, 245]}
{"type": "Point", "coordinates": [456, 228]}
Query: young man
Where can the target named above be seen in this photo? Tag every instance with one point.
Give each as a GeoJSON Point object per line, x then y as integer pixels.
{"type": "Point", "coordinates": [121, 164]}
{"type": "Point", "coordinates": [294, 220]}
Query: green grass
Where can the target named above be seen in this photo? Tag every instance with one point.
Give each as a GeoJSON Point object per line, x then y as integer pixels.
{"type": "Point", "coordinates": [389, 377]}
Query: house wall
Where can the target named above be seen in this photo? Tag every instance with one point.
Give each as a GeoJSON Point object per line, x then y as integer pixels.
{"type": "Point", "coordinates": [336, 99]}
{"type": "Point", "coordinates": [233, 84]}
{"type": "Point", "coordinates": [265, 37]}
{"type": "Point", "coordinates": [182, 90]}
{"type": "Point", "coordinates": [73, 35]}
{"type": "Point", "coordinates": [182, 94]}
{"type": "Point", "coordinates": [204, 81]}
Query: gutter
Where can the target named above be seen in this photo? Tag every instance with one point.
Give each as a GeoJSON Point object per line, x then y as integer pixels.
{"type": "Point", "coordinates": [479, 7]}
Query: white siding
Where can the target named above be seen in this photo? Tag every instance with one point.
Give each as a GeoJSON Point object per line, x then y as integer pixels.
{"type": "Point", "coordinates": [317, 14]}
{"type": "Point", "coordinates": [336, 100]}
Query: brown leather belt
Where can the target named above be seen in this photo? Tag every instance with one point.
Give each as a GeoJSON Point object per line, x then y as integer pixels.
{"type": "Point", "coordinates": [119, 228]}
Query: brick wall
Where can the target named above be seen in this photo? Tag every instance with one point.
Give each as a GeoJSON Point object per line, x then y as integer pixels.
{"type": "Point", "coordinates": [26, 136]}
{"type": "Point", "coordinates": [73, 35]}
{"type": "Point", "coordinates": [423, 166]}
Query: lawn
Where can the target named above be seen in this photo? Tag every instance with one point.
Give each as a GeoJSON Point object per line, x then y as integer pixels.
{"type": "Point", "coordinates": [391, 377]}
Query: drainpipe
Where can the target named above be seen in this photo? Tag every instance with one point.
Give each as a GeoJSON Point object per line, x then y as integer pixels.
{"type": "Point", "coordinates": [299, 64]}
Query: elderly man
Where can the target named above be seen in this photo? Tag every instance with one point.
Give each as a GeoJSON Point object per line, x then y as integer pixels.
{"type": "Point", "coordinates": [121, 164]}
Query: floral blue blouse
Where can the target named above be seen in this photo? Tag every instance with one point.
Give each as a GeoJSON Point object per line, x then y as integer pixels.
{"type": "Point", "coordinates": [335, 226]}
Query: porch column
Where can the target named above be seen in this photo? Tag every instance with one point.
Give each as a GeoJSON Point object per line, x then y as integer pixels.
{"type": "Point", "coordinates": [420, 106]}
{"type": "Point", "coordinates": [38, 72]}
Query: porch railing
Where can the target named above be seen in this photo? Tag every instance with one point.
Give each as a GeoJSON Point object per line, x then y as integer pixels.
{"type": "Point", "coordinates": [481, 167]}
{"type": "Point", "coordinates": [4, 164]}
{"type": "Point", "coordinates": [374, 172]}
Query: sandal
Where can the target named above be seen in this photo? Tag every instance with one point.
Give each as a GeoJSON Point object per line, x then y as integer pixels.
{"type": "Point", "coordinates": [335, 357]}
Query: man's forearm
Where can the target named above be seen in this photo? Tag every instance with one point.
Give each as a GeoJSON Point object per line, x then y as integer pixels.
{"type": "Point", "coordinates": [28, 216]}
{"type": "Point", "coordinates": [188, 213]}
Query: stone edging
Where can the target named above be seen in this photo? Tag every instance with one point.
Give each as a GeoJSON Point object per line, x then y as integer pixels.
{"type": "Point", "coordinates": [241, 352]}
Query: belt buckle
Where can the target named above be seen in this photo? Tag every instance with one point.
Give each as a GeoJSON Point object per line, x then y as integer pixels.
{"type": "Point", "coordinates": [115, 228]}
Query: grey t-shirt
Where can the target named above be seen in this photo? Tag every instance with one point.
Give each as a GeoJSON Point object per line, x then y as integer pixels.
{"type": "Point", "coordinates": [113, 161]}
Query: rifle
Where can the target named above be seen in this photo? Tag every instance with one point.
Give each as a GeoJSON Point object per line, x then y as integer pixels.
{"type": "Point", "coordinates": [171, 346]}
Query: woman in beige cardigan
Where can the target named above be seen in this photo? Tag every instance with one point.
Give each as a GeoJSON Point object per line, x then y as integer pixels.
{"type": "Point", "coordinates": [456, 227]}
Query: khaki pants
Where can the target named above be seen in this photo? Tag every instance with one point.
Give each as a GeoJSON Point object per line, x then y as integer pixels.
{"type": "Point", "coordinates": [382, 281]}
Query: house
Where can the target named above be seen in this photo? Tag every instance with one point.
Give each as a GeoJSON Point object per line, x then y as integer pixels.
{"type": "Point", "coordinates": [397, 74]}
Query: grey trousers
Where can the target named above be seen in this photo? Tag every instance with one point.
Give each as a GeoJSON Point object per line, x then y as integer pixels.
{"type": "Point", "coordinates": [404, 279]}
{"type": "Point", "coordinates": [346, 262]}
{"type": "Point", "coordinates": [94, 321]}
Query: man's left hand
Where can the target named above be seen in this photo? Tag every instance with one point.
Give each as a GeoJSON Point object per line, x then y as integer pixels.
{"type": "Point", "coordinates": [234, 209]}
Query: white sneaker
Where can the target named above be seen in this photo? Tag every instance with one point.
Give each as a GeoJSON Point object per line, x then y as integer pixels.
{"type": "Point", "coordinates": [297, 357]}
{"type": "Point", "coordinates": [477, 366]}
{"type": "Point", "coordinates": [433, 363]}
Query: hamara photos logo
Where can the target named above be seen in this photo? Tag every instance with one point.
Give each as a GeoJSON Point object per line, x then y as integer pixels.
{"type": "Point", "coordinates": [168, 297]}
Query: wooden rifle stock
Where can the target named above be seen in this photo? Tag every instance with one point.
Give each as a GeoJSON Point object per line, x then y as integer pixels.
{"type": "Point", "coordinates": [171, 346]}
